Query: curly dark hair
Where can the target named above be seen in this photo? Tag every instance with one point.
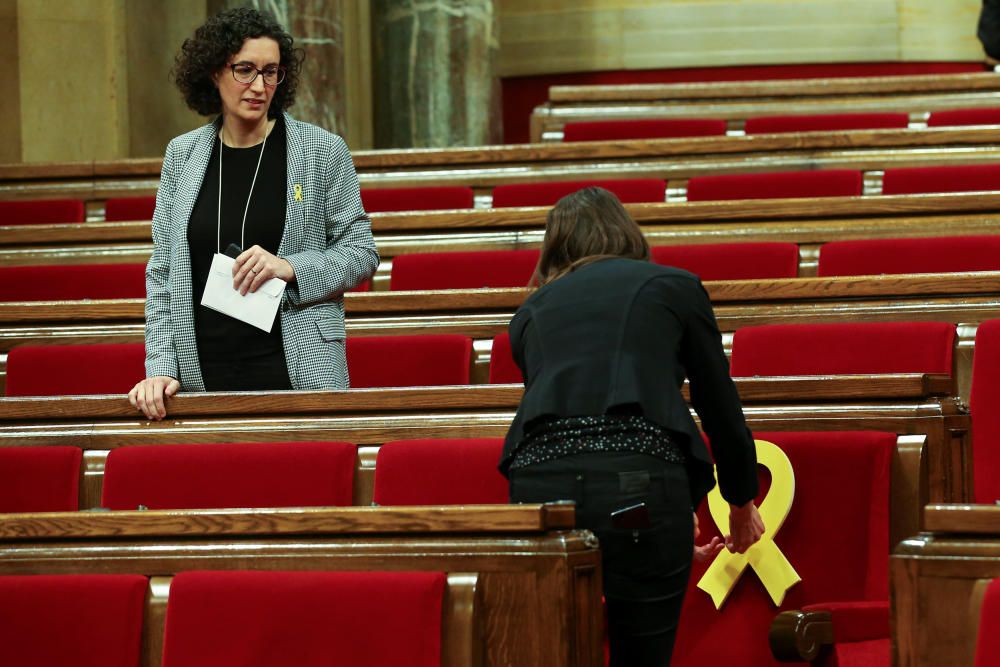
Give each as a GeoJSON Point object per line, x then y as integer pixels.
{"type": "Point", "coordinates": [216, 41]}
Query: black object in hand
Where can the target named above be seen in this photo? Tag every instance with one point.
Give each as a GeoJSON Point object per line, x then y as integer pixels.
{"type": "Point", "coordinates": [233, 251]}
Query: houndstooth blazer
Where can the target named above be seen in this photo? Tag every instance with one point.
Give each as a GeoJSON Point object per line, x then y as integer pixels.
{"type": "Point", "coordinates": [327, 240]}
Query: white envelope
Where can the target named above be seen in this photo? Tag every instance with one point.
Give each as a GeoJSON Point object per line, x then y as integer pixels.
{"type": "Point", "coordinates": [256, 308]}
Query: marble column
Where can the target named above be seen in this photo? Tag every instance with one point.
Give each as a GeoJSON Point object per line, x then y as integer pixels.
{"type": "Point", "coordinates": [434, 70]}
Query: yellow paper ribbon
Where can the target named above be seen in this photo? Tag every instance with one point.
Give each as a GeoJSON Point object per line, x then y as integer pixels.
{"type": "Point", "coordinates": [298, 192]}
{"type": "Point", "coordinates": [766, 559]}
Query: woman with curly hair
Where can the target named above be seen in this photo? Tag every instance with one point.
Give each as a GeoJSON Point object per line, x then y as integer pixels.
{"type": "Point", "coordinates": [280, 195]}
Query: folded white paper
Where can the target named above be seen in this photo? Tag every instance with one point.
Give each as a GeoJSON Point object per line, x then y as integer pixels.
{"type": "Point", "coordinates": [256, 308]}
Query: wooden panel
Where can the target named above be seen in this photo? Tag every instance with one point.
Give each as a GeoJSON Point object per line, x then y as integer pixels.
{"type": "Point", "coordinates": [10, 101]}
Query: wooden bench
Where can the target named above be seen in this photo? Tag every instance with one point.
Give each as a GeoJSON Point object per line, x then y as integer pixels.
{"type": "Point", "coordinates": [525, 587]}
{"type": "Point", "coordinates": [736, 101]}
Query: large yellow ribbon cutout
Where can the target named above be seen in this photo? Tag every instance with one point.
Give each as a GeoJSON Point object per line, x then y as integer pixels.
{"type": "Point", "coordinates": [774, 570]}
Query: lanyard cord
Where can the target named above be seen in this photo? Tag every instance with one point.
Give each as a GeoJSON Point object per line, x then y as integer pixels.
{"type": "Point", "coordinates": [243, 227]}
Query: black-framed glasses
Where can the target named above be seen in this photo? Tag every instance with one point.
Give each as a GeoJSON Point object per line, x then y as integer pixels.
{"type": "Point", "coordinates": [247, 73]}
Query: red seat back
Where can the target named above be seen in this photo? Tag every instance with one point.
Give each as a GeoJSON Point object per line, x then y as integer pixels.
{"type": "Point", "coordinates": [629, 191]}
{"type": "Point", "coordinates": [988, 640]}
{"type": "Point", "coordinates": [652, 128]}
{"type": "Point", "coordinates": [39, 479]}
{"type": "Point", "coordinates": [952, 117]}
{"type": "Point", "coordinates": [926, 180]}
{"type": "Point", "coordinates": [503, 370]}
{"type": "Point", "coordinates": [984, 404]}
{"type": "Point", "coordinates": [440, 472]}
{"type": "Point", "coordinates": [826, 122]}
{"type": "Point", "coordinates": [844, 348]}
{"type": "Point", "coordinates": [732, 261]}
{"type": "Point", "coordinates": [409, 361]}
{"type": "Point", "coordinates": [78, 620]}
{"type": "Point", "coordinates": [836, 537]}
{"type": "Point", "coordinates": [41, 212]}
{"type": "Point", "coordinates": [949, 254]}
{"type": "Point", "coordinates": [65, 370]}
{"type": "Point", "coordinates": [385, 200]}
{"type": "Point", "coordinates": [128, 209]}
{"type": "Point", "coordinates": [72, 281]}
{"type": "Point", "coordinates": [306, 619]}
{"type": "Point", "coordinates": [776, 185]}
{"type": "Point", "coordinates": [463, 270]}
{"type": "Point", "coordinates": [282, 474]}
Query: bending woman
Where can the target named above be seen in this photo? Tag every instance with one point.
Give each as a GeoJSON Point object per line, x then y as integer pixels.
{"type": "Point", "coordinates": [604, 346]}
{"type": "Point", "coordinates": [283, 192]}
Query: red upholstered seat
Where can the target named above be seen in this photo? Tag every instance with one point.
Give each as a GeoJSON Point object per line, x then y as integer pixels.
{"type": "Point", "coordinates": [64, 282]}
{"type": "Point", "coordinates": [384, 200]}
{"type": "Point", "coordinates": [41, 211]}
{"type": "Point", "coordinates": [776, 185]}
{"type": "Point", "coordinates": [826, 122]}
{"type": "Point", "coordinates": [409, 361]}
{"type": "Point", "coordinates": [952, 117]}
{"type": "Point", "coordinates": [652, 128]}
{"type": "Point", "coordinates": [503, 370]}
{"type": "Point", "coordinates": [78, 620]}
{"type": "Point", "coordinates": [39, 479]}
{"type": "Point", "coordinates": [732, 261]}
{"type": "Point", "coordinates": [306, 619]}
{"type": "Point", "coordinates": [463, 270]}
{"type": "Point", "coordinates": [836, 536]}
{"type": "Point", "coordinates": [440, 472]}
{"type": "Point", "coordinates": [984, 404]}
{"type": "Point", "coordinates": [282, 474]}
{"type": "Point", "coordinates": [988, 641]}
{"type": "Point", "coordinates": [629, 191]}
{"type": "Point", "coordinates": [844, 348]}
{"type": "Point", "coordinates": [129, 208]}
{"type": "Point", "coordinates": [64, 370]}
{"type": "Point", "coordinates": [925, 180]}
{"type": "Point", "coordinates": [948, 254]}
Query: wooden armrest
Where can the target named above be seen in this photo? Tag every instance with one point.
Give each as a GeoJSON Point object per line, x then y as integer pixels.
{"type": "Point", "coordinates": [797, 636]}
{"type": "Point", "coordinates": [461, 632]}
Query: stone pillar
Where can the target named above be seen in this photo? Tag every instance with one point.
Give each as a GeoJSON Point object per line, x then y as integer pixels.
{"type": "Point", "coordinates": [434, 71]}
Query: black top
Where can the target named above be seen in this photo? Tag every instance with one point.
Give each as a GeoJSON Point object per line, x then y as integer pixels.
{"type": "Point", "coordinates": [226, 344]}
{"type": "Point", "coordinates": [622, 332]}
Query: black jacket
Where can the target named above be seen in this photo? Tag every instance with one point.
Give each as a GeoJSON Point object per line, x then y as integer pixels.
{"type": "Point", "coordinates": [626, 332]}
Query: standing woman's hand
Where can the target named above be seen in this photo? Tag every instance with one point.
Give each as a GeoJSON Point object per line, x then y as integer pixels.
{"type": "Point", "coordinates": [149, 395]}
{"type": "Point", "coordinates": [745, 527]}
{"type": "Point", "coordinates": [255, 266]}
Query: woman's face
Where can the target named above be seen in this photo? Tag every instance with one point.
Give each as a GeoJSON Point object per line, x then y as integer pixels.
{"type": "Point", "coordinates": [248, 102]}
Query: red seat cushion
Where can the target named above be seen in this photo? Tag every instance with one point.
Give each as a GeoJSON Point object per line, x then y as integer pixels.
{"type": "Point", "coordinates": [984, 404]}
{"type": "Point", "coordinates": [306, 619]}
{"type": "Point", "coordinates": [826, 122]}
{"type": "Point", "coordinates": [385, 200]}
{"type": "Point", "coordinates": [440, 472]}
{"type": "Point", "coordinates": [629, 191]}
{"type": "Point", "coordinates": [732, 261]}
{"type": "Point", "coordinates": [64, 370]}
{"type": "Point", "coordinates": [72, 281]}
{"type": "Point", "coordinates": [282, 474]}
{"type": "Point", "coordinates": [949, 254]}
{"type": "Point", "coordinates": [836, 536]}
{"type": "Point", "coordinates": [41, 211]}
{"type": "Point", "coordinates": [409, 361]}
{"type": "Point", "coordinates": [653, 128]}
{"type": "Point", "coordinates": [129, 208]}
{"type": "Point", "coordinates": [844, 348]}
{"type": "Point", "coordinates": [988, 641]}
{"type": "Point", "coordinates": [776, 185]}
{"type": "Point", "coordinates": [463, 270]}
{"type": "Point", "coordinates": [503, 370]}
{"type": "Point", "coordinates": [78, 620]}
{"type": "Point", "coordinates": [954, 117]}
{"type": "Point", "coordinates": [925, 180]}
{"type": "Point", "coordinates": [39, 479]}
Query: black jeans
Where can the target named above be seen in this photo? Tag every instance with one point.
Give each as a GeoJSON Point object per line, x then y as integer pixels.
{"type": "Point", "coordinates": [645, 571]}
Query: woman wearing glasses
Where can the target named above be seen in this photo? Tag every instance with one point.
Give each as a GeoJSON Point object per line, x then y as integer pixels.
{"type": "Point", "coordinates": [280, 195]}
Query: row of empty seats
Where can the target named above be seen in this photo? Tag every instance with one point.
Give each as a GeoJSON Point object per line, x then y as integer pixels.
{"type": "Point", "coordinates": [825, 183]}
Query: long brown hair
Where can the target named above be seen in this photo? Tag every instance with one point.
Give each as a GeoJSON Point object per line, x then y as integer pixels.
{"type": "Point", "coordinates": [583, 227]}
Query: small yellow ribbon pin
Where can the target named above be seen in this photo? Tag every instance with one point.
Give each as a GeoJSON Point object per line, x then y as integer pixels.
{"type": "Point", "coordinates": [774, 570]}
{"type": "Point", "coordinates": [298, 192]}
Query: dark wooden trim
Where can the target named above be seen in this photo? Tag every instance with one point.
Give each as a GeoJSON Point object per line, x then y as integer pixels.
{"type": "Point", "coordinates": [963, 519]}
{"type": "Point", "coordinates": [797, 636]}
